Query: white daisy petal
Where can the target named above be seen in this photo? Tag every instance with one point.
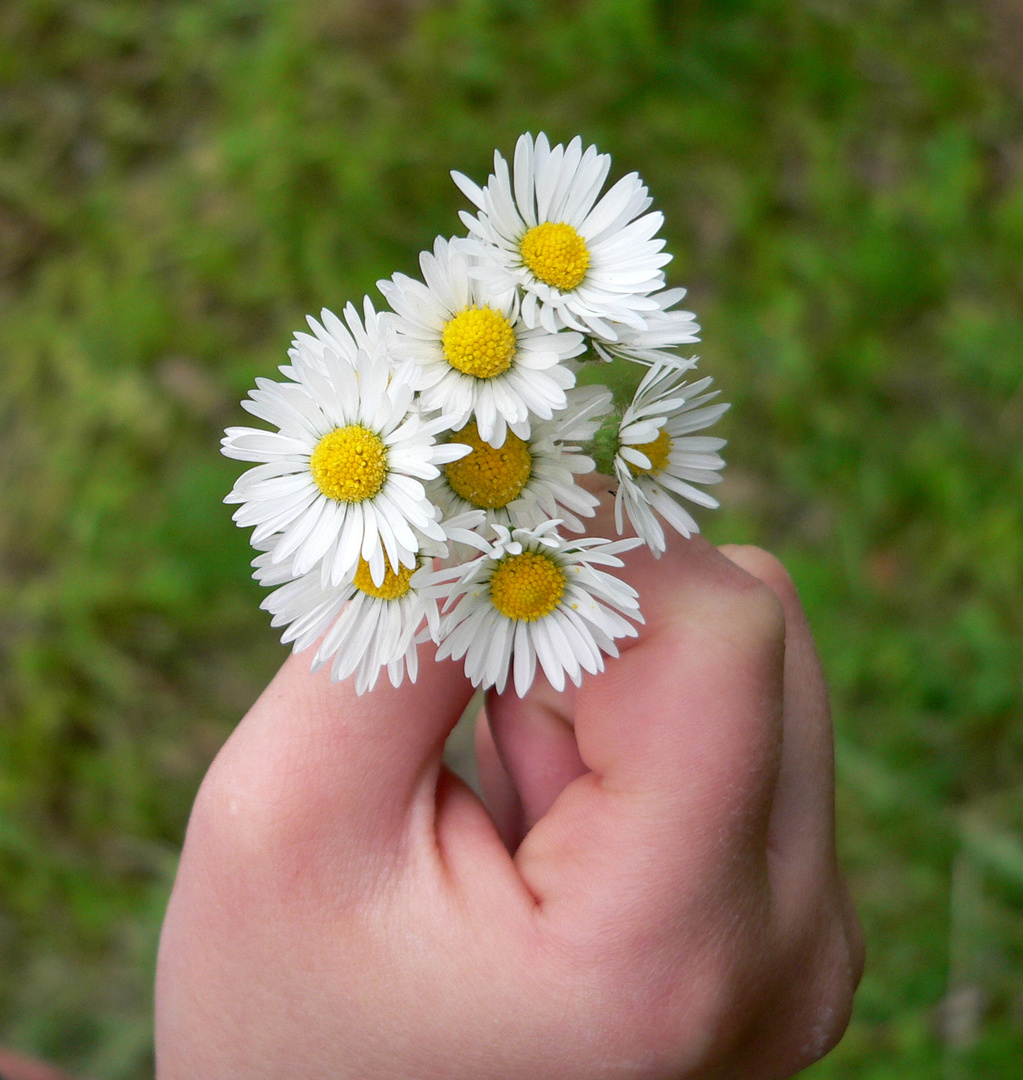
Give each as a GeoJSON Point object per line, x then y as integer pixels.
{"type": "Point", "coordinates": [524, 658]}
{"type": "Point", "coordinates": [361, 626]}
{"type": "Point", "coordinates": [532, 597]}
{"type": "Point", "coordinates": [341, 479]}
{"type": "Point", "coordinates": [526, 481]}
{"type": "Point", "coordinates": [580, 262]}
{"type": "Point", "coordinates": [471, 346]}
{"type": "Point", "coordinates": [656, 465]}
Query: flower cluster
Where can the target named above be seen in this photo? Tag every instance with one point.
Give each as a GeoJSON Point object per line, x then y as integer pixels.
{"type": "Point", "coordinates": [421, 481]}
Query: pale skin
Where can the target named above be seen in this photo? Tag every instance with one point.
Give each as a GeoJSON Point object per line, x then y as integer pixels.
{"type": "Point", "coordinates": [648, 890]}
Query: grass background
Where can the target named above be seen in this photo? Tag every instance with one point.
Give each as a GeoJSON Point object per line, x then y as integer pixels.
{"type": "Point", "coordinates": [181, 181]}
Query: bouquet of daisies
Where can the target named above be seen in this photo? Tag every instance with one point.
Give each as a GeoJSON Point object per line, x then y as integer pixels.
{"type": "Point", "coordinates": [421, 480]}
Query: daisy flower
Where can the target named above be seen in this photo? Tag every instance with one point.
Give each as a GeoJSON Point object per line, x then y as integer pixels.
{"type": "Point", "coordinates": [658, 460]}
{"type": "Point", "coordinates": [368, 331]}
{"type": "Point", "coordinates": [665, 330]}
{"type": "Point", "coordinates": [581, 263]}
{"type": "Point", "coordinates": [526, 481]}
{"type": "Point", "coordinates": [342, 476]}
{"type": "Point", "coordinates": [475, 357]}
{"type": "Point", "coordinates": [531, 597]}
{"type": "Point", "coordinates": [362, 626]}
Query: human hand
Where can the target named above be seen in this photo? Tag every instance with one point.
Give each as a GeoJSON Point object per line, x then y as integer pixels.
{"type": "Point", "coordinates": [653, 894]}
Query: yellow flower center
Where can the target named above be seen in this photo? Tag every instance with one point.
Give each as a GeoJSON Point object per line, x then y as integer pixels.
{"type": "Point", "coordinates": [657, 451]}
{"type": "Point", "coordinates": [479, 341]}
{"type": "Point", "coordinates": [393, 587]}
{"type": "Point", "coordinates": [349, 464]}
{"type": "Point", "coordinates": [489, 477]}
{"type": "Point", "coordinates": [527, 587]}
{"type": "Point", "coordinates": [556, 254]}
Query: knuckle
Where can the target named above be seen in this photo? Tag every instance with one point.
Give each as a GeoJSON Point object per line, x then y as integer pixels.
{"type": "Point", "coordinates": [764, 566]}
{"type": "Point", "coordinates": [830, 1007]}
{"type": "Point", "coordinates": [766, 613]}
{"type": "Point", "coordinates": [792, 1001]}
{"type": "Point", "coordinates": [755, 612]}
{"type": "Point", "coordinates": [821, 1010]}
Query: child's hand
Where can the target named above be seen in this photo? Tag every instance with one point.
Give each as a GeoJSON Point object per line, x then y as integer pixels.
{"type": "Point", "coordinates": [672, 907]}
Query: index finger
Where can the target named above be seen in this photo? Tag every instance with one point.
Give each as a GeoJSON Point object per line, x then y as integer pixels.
{"type": "Point", "coordinates": [682, 734]}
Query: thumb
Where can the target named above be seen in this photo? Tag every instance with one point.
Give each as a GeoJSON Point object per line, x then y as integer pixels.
{"type": "Point", "coordinates": [315, 766]}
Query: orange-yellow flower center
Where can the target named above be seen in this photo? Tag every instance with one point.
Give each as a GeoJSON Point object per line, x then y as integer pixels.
{"type": "Point", "coordinates": [479, 341]}
{"type": "Point", "coordinates": [393, 587]}
{"type": "Point", "coordinates": [527, 587]}
{"type": "Point", "coordinates": [556, 254]}
{"type": "Point", "coordinates": [489, 477]}
{"type": "Point", "coordinates": [657, 451]}
{"type": "Point", "coordinates": [349, 464]}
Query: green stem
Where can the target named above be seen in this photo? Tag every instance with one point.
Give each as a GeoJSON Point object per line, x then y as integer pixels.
{"type": "Point", "coordinates": [605, 444]}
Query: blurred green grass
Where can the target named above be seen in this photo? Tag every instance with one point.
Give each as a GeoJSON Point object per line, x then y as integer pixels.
{"type": "Point", "coordinates": [181, 181]}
